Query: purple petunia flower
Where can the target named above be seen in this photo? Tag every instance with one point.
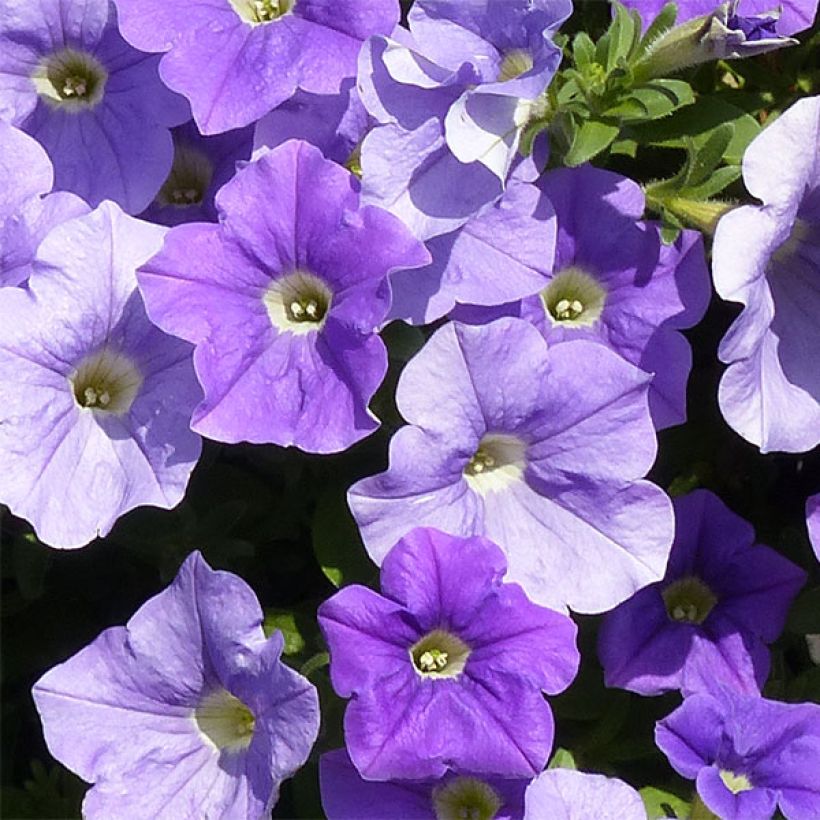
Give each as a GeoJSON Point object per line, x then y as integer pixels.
{"type": "Point", "coordinates": [235, 60]}
{"type": "Point", "coordinates": [747, 754]}
{"type": "Point", "coordinates": [614, 281]}
{"type": "Point", "coordinates": [571, 795]}
{"type": "Point", "coordinates": [202, 165]}
{"type": "Point", "coordinates": [813, 522]}
{"type": "Point", "coordinates": [795, 15]}
{"type": "Point", "coordinates": [451, 99]}
{"type": "Point", "coordinates": [723, 598]}
{"type": "Point", "coordinates": [283, 300]}
{"type": "Point", "coordinates": [539, 450]}
{"type": "Point", "coordinates": [26, 213]}
{"type": "Point", "coordinates": [768, 258]}
{"type": "Point", "coordinates": [346, 795]}
{"type": "Point", "coordinates": [95, 104]}
{"type": "Point", "coordinates": [187, 711]}
{"type": "Point", "coordinates": [97, 401]}
{"type": "Point", "coordinates": [446, 668]}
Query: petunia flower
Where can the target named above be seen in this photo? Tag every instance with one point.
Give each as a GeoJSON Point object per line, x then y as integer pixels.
{"type": "Point", "coordinates": [768, 258]}
{"type": "Point", "coordinates": [346, 795]}
{"type": "Point", "coordinates": [187, 711]}
{"type": "Point", "coordinates": [202, 165]}
{"type": "Point", "coordinates": [813, 522]}
{"type": "Point", "coordinates": [572, 795]}
{"type": "Point", "coordinates": [723, 598]}
{"type": "Point", "coordinates": [27, 210]}
{"type": "Point", "coordinates": [540, 450]}
{"type": "Point", "coordinates": [95, 104]}
{"type": "Point", "coordinates": [235, 60]}
{"type": "Point", "coordinates": [446, 668]}
{"type": "Point", "coordinates": [748, 755]}
{"type": "Point", "coordinates": [97, 401]}
{"type": "Point", "coordinates": [450, 99]}
{"type": "Point", "coordinates": [282, 299]}
{"type": "Point", "coordinates": [615, 282]}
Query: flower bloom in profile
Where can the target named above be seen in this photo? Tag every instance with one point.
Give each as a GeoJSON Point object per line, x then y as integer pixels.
{"type": "Point", "coordinates": [615, 282]}
{"type": "Point", "coordinates": [723, 598]}
{"type": "Point", "coordinates": [572, 795]}
{"type": "Point", "coordinates": [202, 165]}
{"type": "Point", "coordinates": [96, 400]}
{"type": "Point", "coordinates": [748, 755]}
{"type": "Point", "coordinates": [346, 795]}
{"type": "Point", "coordinates": [768, 258]}
{"type": "Point", "coordinates": [235, 60]}
{"type": "Point", "coordinates": [517, 442]}
{"type": "Point", "coordinates": [283, 299]}
{"type": "Point", "coordinates": [96, 105]}
{"type": "Point", "coordinates": [186, 711]}
{"type": "Point", "coordinates": [813, 522]}
{"type": "Point", "coordinates": [446, 668]}
{"type": "Point", "coordinates": [27, 210]}
{"type": "Point", "coordinates": [450, 100]}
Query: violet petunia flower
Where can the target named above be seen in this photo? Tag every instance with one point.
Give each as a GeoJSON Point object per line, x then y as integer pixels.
{"type": "Point", "coordinates": [748, 755]}
{"type": "Point", "coordinates": [346, 795]}
{"type": "Point", "coordinates": [95, 104]}
{"type": "Point", "coordinates": [795, 15]}
{"type": "Point", "coordinates": [97, 401]}
{"type": "Point", "coordinates": [615, 282]}
{"type": "Point", "coordinates": [564, 794]}
{"type": "Point", "coordinates": [27, 210]}
{"type": "Point", "coordinates": [540, 450]}
{"type": "Point", "coordinates": [283, 299]}
{"type": "Point", "coordinates": [813, 522]}
{"type": "Point", "coordinates": [450, 99]}
{"type": "Point", "coordinates": [187, 711]}
{"type": "Point", "coordinates": [202, 165]}
{"type": "Point", "coordinates": [446, 668]}
{"type": "Point", "coordinates": [768, 258]}
{"type": "Point", "coordinates": [235, 60]}
{"type": "Point", "coordinates": [723, 598]}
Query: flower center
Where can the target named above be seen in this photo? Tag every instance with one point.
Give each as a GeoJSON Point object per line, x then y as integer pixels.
{"type": "Point", "coordinates": [574, 298]}
{"type": "Point", "coordinates": [71, 80]}
{"type": "Point", "coordinates": [497, 463]}
{"type": "Point", "coordinates": [298, 302]}
{"type": "Point", "coordinates": [354, 161]}
{"type": "Point", "coordinates": [688, 600]}
{"type": "Point", "coordinates": [466, 798]}
{"type": "Point", "coordinates": [106, 381]}
{"type": "Point", "coordinates": [225, 721]}
{"type": "Point", "coordinates": [735, 782]}
{"type": "Point", "coordinates": [439, 654]}
{"type": "Point", "coordinates": [189, 179]}
{"type": "Point", "coordinates": [515, 63]}
{"type": "Point", "coordinates": [262, 11]}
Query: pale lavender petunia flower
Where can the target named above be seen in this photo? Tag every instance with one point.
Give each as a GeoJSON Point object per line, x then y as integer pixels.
{"type": "Point", "coordinates": [795, 15]}
{"type": "Point", "coordinates": [539, 449]}
{"type": "Point", "coordinates": [614, 281]}
{"type": "Point", "coordinates": [346, 795]}
{"type": "Point", "coordinates": [187, 711]}
{"type": "Point", "coordinates": [202, 165]}
{"type": "Point", "coordinates": [97, 401]}
{"type": "Point", "coordinates": [722, 600]}
{"type": "Point", "coordinates": [283, 299]}
{"type": "Point", "coordinates": [813, 522]}
{"type": "Point", "coordinates": [96, 104]}
{"type": "Point", "coordinates": [768, 258]}
{"type": "Point", "coordinates": [564, 794]}
{"type": "Point", "coordinates": [27, 210]}
{"type": "Point", "coordinates": [748, 755]}
{"type": "Point", "coordinates": [235, 60]}
{"type": "Point", "coordinates": [446, 668]}
{"type": "Point", "coordinates": [451, 98]}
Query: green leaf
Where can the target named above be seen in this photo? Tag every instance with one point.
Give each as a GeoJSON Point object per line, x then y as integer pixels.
{"type": "Point", "coordinates": [562, 759]}
{"type": "Point", "coordinates": [285, 621]}
{"type": "Point", "coordinates": [657, 28]}
{"type": "Point", "coordinates": [590, 138]}
{"type": "Point", "coordinates": [583, 50]}
{"type": "Point", "coordinates": [623, 35]}
{"type": "Point", "coordinates": [719, 179]}
{"type": "Point", "coordinates": [660, 803]}
{"type": "Point", "coordinates": [706, 156]}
